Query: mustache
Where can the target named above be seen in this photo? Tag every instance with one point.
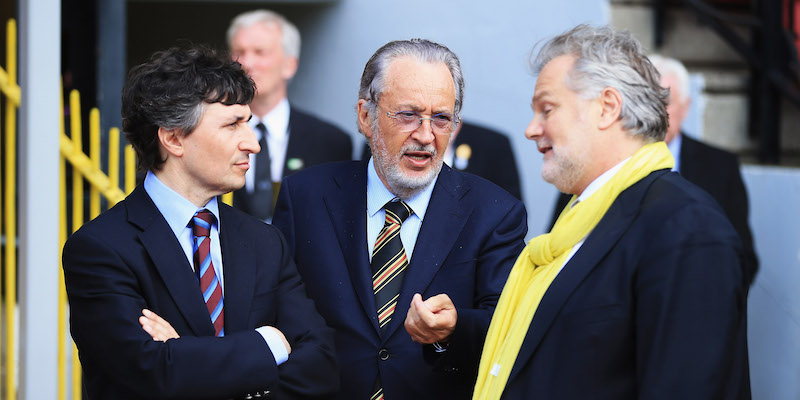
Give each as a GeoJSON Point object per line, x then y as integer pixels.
{"type": "Point", "coordinates": [420, 148]}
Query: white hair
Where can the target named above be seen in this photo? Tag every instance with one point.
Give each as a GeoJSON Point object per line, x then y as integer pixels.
{"type": "Point", "coordinates": [667, 66]}
{"type": "Point", "coordinates": [290, 36]}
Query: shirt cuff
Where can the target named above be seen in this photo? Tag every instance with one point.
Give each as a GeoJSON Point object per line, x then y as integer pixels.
{"type": "Point", "coordinates": [275, 344]}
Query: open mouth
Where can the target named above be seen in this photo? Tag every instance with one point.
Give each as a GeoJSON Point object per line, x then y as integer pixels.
{"type": "Point", "coordinates": [419, 158]}
{"type": "Point", "coordinates": [545, 149]}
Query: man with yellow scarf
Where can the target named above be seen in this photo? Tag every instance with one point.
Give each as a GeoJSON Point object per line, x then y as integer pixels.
{"type": "Point", "coordinates": [636, 293]}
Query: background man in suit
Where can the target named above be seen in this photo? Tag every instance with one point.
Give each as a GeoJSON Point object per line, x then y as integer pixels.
{"type": "Point", "coordinates": [268, 47]}
{"type": "Point", "coordinates": [374, 238]}
{"type": "Point", "coordinates": [714, 170]}
{"type": "Point", "coordinates": [186, 112]}
{"type": "Point", "coordinates": [637, 292]}
{"type": "Point", "coordinates": [481, 151]}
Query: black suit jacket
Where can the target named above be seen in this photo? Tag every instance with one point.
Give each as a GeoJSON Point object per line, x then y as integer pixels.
{"type": "Point", "coordinates": [470, 237]}
{"type": "Point", "coordinates": [128, 259]}
{"type": "Point", "coordinates": [312, 141]}
{"type": "Point", "coordinates": [491, 157]}
{"type": "Point", "coordinates": [717, 172]}
{"type": "Point", "coordinates": [652, 306]}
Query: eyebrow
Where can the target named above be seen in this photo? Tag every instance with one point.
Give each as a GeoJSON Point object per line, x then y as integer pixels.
{"type": "Point", "coordinates": [539, 97]}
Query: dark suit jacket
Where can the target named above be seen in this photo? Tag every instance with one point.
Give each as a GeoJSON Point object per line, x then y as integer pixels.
{"type": "Point", "coordinates": [491, 157]}
{"type": "Point", "coordinates": [128, 259]}
{"type": "Point", "coordinates": [717, 172]}
{"type": "Point", "coordinates": [652, 306]}
{"type": "Point", "coordinates": [312, 141]}
{"type": "Point", "coordinates": [468, 242]}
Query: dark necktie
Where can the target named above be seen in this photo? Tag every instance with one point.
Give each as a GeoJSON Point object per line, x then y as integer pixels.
{"type": "Point", "coordinates": [209, 284]}
{"type": "Point", "coordinates": [261, 200]}
{"type": "Point", "coordinates": [389, 261]}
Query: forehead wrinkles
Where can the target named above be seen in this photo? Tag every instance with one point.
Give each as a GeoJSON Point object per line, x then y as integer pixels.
{"type": "Point", "coordinates": [409, 81]}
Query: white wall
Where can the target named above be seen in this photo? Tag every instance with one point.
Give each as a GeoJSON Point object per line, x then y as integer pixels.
{"type": "Point", "coordinates": [774, 302]}
{"type": "Point", "coordinates": [492, 39]}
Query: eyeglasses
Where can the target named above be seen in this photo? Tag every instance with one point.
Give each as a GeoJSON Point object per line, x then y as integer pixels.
{"type": "Point", "coordinates": [408, 121]}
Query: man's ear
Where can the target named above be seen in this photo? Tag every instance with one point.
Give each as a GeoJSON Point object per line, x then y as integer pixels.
{"type": "Point", "coordinates": [171, 142]}
{"type": "Point", "coordinates": [289, 68]}
{"type": "Point", "coordinates": [364, 121]}
{"type": "Point", "coordinates": [610, 107]}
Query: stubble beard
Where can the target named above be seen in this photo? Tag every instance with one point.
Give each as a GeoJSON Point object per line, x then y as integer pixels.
{"type": "Point", "coordinates": [564, 170]}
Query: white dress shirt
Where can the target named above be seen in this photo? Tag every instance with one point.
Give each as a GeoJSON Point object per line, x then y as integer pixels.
{"type": "Point", "coordinates": [590, 190]}
{"type": "Point", "coordinates": [277, 124]}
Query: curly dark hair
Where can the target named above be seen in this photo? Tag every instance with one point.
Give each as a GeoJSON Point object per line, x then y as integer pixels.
{"type": "Point", "coordinates": [171, 90]}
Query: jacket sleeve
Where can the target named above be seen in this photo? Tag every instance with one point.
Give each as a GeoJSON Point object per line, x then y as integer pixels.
{"type": "Point", "coordinates": [106, 300]}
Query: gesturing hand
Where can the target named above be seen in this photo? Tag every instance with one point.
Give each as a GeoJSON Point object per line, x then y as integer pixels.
{"type": "Point", "coordinates": [432, 320]}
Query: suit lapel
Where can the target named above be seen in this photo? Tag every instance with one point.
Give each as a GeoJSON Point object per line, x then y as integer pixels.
{"type": "Point", "coordinates": [170, 261]}
{"type": "Point", "coordinates": [347, 211]}
{"type": "Point", "coordinates": [239, 263]}
{"type": "Point", "coordinates": [599, 243]}
{"type": "Point", "coordinates": [444, 220]}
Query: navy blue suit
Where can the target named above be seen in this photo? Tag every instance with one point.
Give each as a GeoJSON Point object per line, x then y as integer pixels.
{"type": "Point", "coordinates": [128, 259]}
{"type": "Point", "coordinates": [468, 242]}
{"type": "Point", "coordinates": [652, 306]}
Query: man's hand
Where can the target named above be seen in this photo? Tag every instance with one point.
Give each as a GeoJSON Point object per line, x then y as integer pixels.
{"type": "Point", "coordinates": [158, 328]}
{"type": "Point", "coordinates": [432, 320]}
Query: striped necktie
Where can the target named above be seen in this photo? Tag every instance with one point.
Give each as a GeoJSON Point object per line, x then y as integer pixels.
{"type": "Point", "coordinates": [209, 284]}
{"type": "Point", "coordinates": [389, 261]}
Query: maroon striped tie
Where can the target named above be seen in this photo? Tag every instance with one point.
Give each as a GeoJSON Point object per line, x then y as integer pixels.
{"type": "Point", "coordinates": [209, 284]}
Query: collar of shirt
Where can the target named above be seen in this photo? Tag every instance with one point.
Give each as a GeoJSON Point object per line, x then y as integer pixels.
{"type": "Point", "coordinates": [675, 148]}
{"type": "Point", "coordinates": [178, 211]}
{"type": "Point", "coordinates": [596, 184]}
{"type": "Point", "coordinates": [378, 195]}
{"type": "Point", "coordinates": [277, 123]}
{"type": "Point", "coordinates": [601, 180]}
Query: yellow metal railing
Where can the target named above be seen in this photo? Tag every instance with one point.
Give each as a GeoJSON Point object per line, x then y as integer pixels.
{"type": "Point", "coordinates": [85, 170]}
{"type": "Point", "coordinates": [12, 93]}
{"type": "Point", "coordinates": [101, 185]}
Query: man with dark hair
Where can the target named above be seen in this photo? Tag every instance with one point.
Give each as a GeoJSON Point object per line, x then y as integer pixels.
{"type": "Point", "coordinates": [236, 318]}
{"type": "Point", "coordinates": [268, 47]}
{"type": "Point", "coordinates": [637, 292]}
{"type": "Point", "coordinates": [404, 256]}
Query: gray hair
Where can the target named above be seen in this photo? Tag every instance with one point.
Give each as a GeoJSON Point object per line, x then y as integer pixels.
{"type": "Point", "coordinates": [608, 58]}
{"type": "Point", "coordinates": [290, 36]}
{"type": "Point", "coordinates": [373, 79]}
{"type": "Point", "coordinates": [668, 66]}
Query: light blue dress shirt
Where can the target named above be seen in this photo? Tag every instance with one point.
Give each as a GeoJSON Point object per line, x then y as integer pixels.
{"type": "Point", "coordinates": [378, 195]}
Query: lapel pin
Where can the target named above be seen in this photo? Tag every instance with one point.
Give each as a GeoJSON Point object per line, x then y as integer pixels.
{"type": "Point", "coordinates": [294, 164]}
{"type": "Point", "coordinates": [463, 153]}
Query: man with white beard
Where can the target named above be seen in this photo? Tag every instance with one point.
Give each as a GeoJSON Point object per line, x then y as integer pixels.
{"type": "Point", "coordinates": [405, 257]}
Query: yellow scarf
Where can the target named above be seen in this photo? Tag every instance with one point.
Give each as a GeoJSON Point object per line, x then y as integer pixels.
{"type": "Point", "coordinates": [539, 264]}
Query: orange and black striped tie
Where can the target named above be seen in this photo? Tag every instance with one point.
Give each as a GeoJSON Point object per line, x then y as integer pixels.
{"type": "Point", "coordinates": [389, 261]}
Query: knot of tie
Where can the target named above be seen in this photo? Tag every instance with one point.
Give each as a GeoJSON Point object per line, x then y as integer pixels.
{"type": "Point", "coordinates": [397, 212]}
{"type": "Point", "coordinates": [539, 251]}
{"type": "Point", "coordinates": [201, 223]}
